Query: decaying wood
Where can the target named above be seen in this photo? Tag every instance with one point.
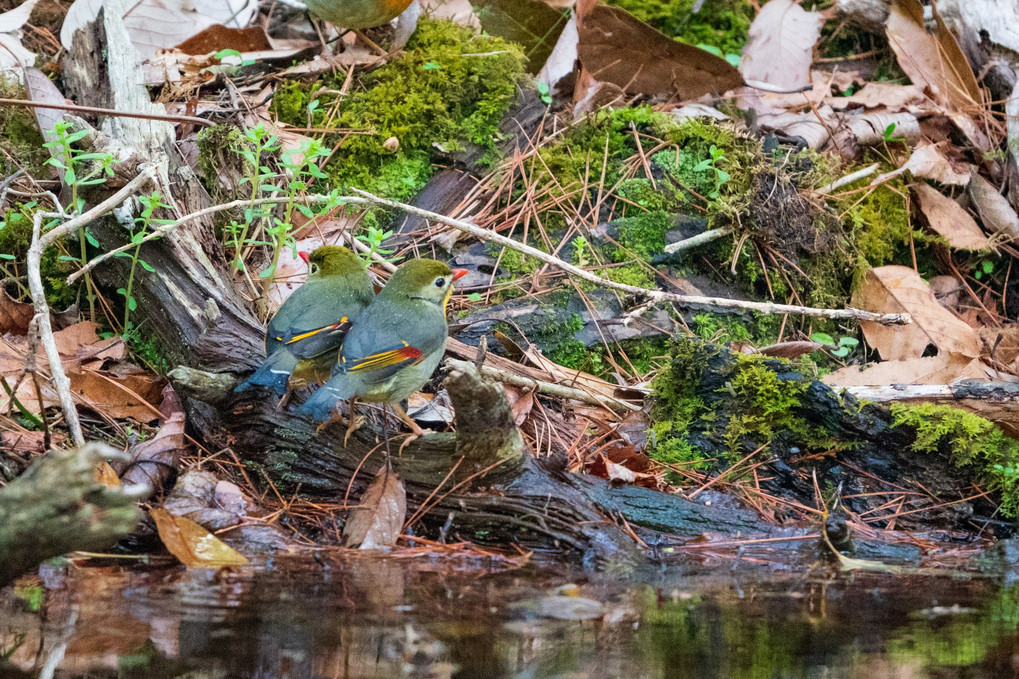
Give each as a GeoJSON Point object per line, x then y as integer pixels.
{"type": "Point", "coordinates": [996, 401]}
{"type": "Point", "coordinates": [57, 506]}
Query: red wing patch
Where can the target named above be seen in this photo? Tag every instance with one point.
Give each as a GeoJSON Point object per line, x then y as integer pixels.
{"type": "Point", "coordinates": [384, 359]}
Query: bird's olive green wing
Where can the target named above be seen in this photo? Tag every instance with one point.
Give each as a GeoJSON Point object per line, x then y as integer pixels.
{"type": "Point", "coordinates": [382, 341]}
{"type": "Point", "coordinates": [315, 318]}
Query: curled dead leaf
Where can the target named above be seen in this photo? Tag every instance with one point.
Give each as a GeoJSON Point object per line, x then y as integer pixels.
{"type": "Point", "coordinates": [194, 546]}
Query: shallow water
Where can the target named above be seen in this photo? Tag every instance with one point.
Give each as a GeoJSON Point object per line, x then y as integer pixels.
{"type": "Point", "coordinates": [381, 618]}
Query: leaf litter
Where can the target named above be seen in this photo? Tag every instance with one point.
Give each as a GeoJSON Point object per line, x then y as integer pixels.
{"type": "Point", "coordinates": [631, 60]}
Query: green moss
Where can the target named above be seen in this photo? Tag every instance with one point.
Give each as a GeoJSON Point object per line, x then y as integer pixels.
{"type": "Point", "coordinates": [16, 236]}
{"type": "Point", "coordinates": [514, 261]}
{"type": "Point", "coordinates": [644, 354]}
{"type": "Point", "coordinates": [448, 89]}
{"type": "Point", "coordinates": [634, 274]}
{"type": "Point", "coordinates": [758, 329]}
{"type": "Point", "coordinates": [708, 403]}
{"type": "Point", "coordinates": [558, 338]}
{"type": "Point", "coordinates": [970, 440]}
{"type": "Point", "coordinates": [881, 228]}
{"type": "Point", "coordinates": [147, 350]}
{"type": "Point", "coordinates": [219, 151]}
{"type": "Point", "coordinates": [677, 404]}
{"type": "Point", "coordinates": [21, 144]}
{"type": "Point", "coordinates": [721, 23]}
{"type": "Point", "coordinates": [644, 234]}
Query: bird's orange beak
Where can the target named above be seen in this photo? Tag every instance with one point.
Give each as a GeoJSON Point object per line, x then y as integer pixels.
{"type": "Point", "coordinates": [305, 256]}
{"type": "Point", "coordinates": [459, 273]}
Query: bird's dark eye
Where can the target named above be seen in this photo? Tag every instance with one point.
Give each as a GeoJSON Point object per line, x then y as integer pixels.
{"type": "Point", "coordinates": [440, 282]}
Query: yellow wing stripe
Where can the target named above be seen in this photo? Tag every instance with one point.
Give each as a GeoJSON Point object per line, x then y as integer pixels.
{"type": "Point", "coordinates": [306, 335]}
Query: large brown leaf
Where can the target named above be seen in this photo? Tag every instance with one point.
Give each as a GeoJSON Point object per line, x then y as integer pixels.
{"type": "Point", "coordinates": [941, 369]}
{"type": "Point", "coordinates": [378, 519]}
{"type": "Point", "coordinates": [620, 49]}
{"type": "Point", "coordinates": [780, 45]}
{"type": "Point", "coordinates": [934, 60]}
{"type": "Point", "coordinates": [897, 289]}
{"type": "Point", "coordinates": [949, 220]}
{"type": "Point", "coordinates": [14, 315]}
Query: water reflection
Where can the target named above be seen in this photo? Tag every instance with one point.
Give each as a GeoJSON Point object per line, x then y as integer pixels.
{"type": "Point", "coordinates": [387, 618]}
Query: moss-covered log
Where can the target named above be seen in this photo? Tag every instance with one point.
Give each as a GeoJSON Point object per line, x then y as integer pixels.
{"type": "Point", "coordinates": [57, 506]}
{"type": "Point", "coordinates": [914, 464]}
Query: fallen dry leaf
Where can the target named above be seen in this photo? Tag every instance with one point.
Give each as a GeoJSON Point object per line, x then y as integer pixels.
{"type": "Point", "coordinates": [618, 48]}
{"type": "Point", "coordinates": [883, 95]}
{"type": "Point", "coordinates": [155, 25]}
{"type": "Point", "coordinates": [107, 475]}
{"type": "Point", "coordinates": [219, 37]}
{"type": "Point", "coordinates": [24, 441]}
{"type": "Point", "coordinates": [123, 390]}
{"type": "Point", "coordinates": [934, 60]}
{"type": "Point", "coordinates": [41, 89]}
{"type": "Point", "coordinates": [940, 369]}
{"type": "Point", "coordinates": [14, 55]}
{"type": "Point", "coordinates": [14, 315]}
{"type": "Point", "coordinates": [194, 546]}
{"type": "Point", "coordinates": [118, 397]}
{"type": "Point", "coordinates": [780, 46]}
{"type": "Point", "coordinates": [897, 289]}
{"type": "Point", "coordinates": [521, 401]}
{"type": "Point", "coordinates": [994, 209]}
{"type": "Point", "coordinates": [949, 220]}
{"type": "Point", "coordinates": [928, 162]}
{"type": "Point", "coordinates": [378, 518]}
{"type": "Point", "coordinates": [157, 459]}
{"type": "Point", "coordinates": [459, 11]}
{"type": "Point", "coordinates": [790, 350]}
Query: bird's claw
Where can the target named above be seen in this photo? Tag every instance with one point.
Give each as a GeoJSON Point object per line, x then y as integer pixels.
{"type": "Point", "coordinates": [352, 427]}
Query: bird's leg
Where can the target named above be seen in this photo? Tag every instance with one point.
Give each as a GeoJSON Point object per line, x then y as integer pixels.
{"type": "Point", "coordinates": [372, 44]}
{"type": "Point", "coordinates": [332, 418]}
{"type": "Point", "coordinates": [416, 431]}
{"type": "Point", "coordinates": [385, 432]}
{"type": "Point", "coordinates": [353, 422]}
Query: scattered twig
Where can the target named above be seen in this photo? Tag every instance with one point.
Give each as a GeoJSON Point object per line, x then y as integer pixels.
{"type": "Point", "coordinates": [699, 239]}
{"type": "Point", "coordinates": [655, 295]}
{"type": "Point", "coordinates": [40, 241]}
{"type": "Point", "coordinates": [549, 388]}
{"type": "Point", "coordinates": [108, 112]}
{"type": "Point", "coordinates": [848, 179]}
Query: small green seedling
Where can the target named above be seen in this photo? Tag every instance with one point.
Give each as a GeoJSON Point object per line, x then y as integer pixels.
{"type": "Point", "coordinates": [984, 267]}
{"type": "Point", "coordinates": [711, 165]}
{"type": "Point", "coordinates": [889, 132]}
{"type": "Point", "coordinates": [374, 239]}
{"type": "Point", "coordinates": [840, 349]}
{"type": "Point", "coordinates": [545, 92]}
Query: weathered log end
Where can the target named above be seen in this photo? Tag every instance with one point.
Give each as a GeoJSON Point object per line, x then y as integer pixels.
{"type": "Point", "coordinates": [57, 506]}
{"type": "Point", "coordinates": [204, 386]}
{"type": "Point", "coordinates": [486, 432]}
